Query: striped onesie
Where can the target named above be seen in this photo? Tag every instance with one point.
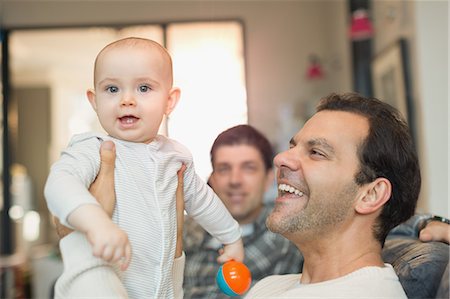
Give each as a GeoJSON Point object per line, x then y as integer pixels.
{"type": "Point", "coordinates": [145, 184]}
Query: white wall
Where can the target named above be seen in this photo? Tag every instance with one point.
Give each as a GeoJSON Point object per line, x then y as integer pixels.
{"type": "Point", "coordinates": [432, 39]}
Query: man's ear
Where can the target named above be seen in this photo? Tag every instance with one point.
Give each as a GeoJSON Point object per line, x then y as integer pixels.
{"type": "Point", "coordinates": [373, 196]}
{"type": "Point", "coordinates": [172, 101]}
{"type": "Point", "coordinates": [91, 97]}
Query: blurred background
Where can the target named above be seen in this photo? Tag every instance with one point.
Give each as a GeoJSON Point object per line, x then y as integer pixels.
{"type": "Point", "coordinates": [265, 63]}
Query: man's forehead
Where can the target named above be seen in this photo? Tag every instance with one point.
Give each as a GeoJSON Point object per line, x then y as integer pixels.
{"type": "Point", "coordinates": [328, 125]}
{"type": "Point", "coordinates": [237, 153]}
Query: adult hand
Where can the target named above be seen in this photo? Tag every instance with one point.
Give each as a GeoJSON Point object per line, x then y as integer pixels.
{"type": "Point", "coordinates": [103, 186]}
{"type": "Point", "coordinates": [180, 211]}
{"type": "Point", "coordinates": [435, 231]}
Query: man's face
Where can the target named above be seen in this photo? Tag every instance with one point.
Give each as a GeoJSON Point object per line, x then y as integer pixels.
{"type": "Point", "coordinates": [240, 179]}
{"type": "Point", "coordinates": [316, 187]}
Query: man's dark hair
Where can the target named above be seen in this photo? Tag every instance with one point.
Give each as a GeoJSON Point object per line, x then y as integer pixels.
{"type": "Point", "coordinates": [388, 151]}
{"type": "Point", "coordinates": [248, 135]}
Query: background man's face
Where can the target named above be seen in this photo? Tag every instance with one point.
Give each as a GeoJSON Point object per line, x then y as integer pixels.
{"type": "Point", "coordinates": [240, 179]}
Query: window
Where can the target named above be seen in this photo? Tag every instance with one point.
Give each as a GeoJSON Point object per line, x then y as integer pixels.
{"type": "Point", "coordinates": [209, 68]}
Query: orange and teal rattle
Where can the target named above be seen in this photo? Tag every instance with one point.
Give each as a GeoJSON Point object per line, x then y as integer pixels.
{"type": "Point", "coordinates": [233, 278]}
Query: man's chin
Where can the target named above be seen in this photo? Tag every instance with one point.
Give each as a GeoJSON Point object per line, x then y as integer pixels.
{"type": "Point", "coordinates": [273, 223]}
{"type": "Point", "coordinates": [239, 216]}
{"type": "Point", "coordinates": [283, 223]}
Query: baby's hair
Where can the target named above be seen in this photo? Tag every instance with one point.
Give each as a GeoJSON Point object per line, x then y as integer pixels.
{"type": "Point", "coordinates": [136, 42]}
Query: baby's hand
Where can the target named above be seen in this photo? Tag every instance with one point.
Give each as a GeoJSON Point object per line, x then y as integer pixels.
{"type": "Point", "coordinates": [233, 251]}
{"type": "Point", "coordinates": [110, 243]}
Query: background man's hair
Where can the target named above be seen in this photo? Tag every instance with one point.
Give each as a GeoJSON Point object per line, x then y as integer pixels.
{"type": "Point", "coordinates": [245, 134]}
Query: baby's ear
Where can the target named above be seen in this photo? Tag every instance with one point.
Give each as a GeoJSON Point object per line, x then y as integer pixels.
{"type": "Point", "coordinates": [91, 97]}
{"type": "Point", "coordinates": [374, 196]}
{"type": "Point", "coordinates": [172, 101]}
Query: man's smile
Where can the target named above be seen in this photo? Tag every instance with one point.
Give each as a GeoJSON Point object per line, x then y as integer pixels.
{"type": "Point", "coordinates": [285, 189]}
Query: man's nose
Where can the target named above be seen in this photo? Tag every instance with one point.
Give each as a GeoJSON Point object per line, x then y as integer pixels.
{"type": "Point", "coordinates": [235, 177]}
{"type": "Point", "coordinates": [288, 158]}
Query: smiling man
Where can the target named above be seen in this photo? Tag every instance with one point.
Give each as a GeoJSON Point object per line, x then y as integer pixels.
{"type": "Point", "coordinates": [351, 174]}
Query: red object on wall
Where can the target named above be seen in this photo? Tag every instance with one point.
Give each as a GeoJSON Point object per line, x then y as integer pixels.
{"type": "Point", "coordinates": [361, 27]}
{"type": "Point", "coordinates": [314, 70]}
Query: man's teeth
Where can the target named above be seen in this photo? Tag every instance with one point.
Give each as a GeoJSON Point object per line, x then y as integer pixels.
{"type": "Point", "coordinates": [290, 189]}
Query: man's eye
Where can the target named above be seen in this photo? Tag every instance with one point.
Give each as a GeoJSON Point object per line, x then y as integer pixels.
{"type": "Point", "coordinates": [250, 168]}
{"type": "Point", "coordinates": [317, 153]}
{"type": "Point", "coordinates": [144, 88]}
{"type": "Point", "coordinates": [221, 170]}
{"type": "Point", "coordinates": [112, 89]}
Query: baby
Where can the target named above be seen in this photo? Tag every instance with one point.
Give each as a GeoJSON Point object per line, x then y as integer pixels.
{"type": "Point", "coordinates": [133, 91]}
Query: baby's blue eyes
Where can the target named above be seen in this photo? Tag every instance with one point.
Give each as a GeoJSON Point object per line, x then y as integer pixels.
{"type": "Point", "coordinates": [144, 88]}
{"type": "Point", "coordinates": [112, 89]}
{"type": "Point", "coordinates": [141, 88]}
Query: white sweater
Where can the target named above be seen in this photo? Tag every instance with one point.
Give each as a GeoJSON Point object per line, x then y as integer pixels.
{"type": "Point", "coordinates": [367, 282]}
{"type": "Point", "coordinates": [145, 184]}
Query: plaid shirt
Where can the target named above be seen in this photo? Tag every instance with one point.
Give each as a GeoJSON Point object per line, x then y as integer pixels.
{"type": "Point", "coordinates": [266, 254]}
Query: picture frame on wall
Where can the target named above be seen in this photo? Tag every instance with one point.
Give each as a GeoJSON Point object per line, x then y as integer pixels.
{"type": "Point", "coordinates": [390, 77]}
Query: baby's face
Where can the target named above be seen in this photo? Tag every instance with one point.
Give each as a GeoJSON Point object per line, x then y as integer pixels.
{"type": "Point", "coordinates": [132, 87]}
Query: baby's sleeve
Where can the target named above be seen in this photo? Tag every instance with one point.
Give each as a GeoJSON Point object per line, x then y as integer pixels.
{"type": "Point", "coordinates": [202, 204]}
{"type": "Point", "coordinates": [69, 179]}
